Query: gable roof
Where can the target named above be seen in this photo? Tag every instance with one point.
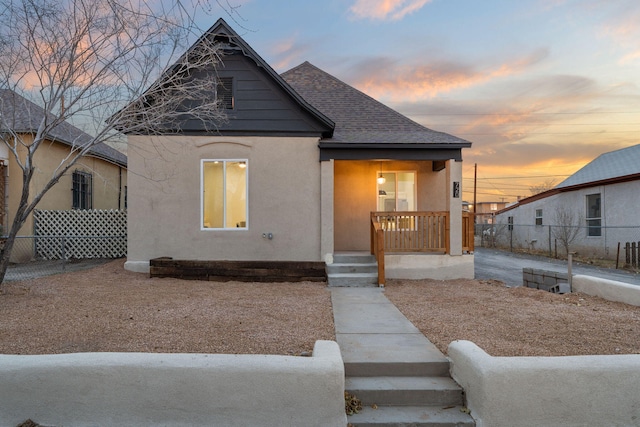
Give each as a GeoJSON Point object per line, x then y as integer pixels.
{"type": "Point", "coordinates": [23, 116]}
{"type": "Point", "coordinates": [611, 165]}
{"type": "Point", "coordinates": [361, 121]}
{"type": "Point", "coordinates": [232, 44]}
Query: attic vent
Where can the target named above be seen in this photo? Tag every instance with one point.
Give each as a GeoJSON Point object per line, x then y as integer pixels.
{"type": "Point", "coordinates": [224, 92]}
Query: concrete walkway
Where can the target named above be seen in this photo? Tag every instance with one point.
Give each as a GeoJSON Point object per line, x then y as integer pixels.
{"type": "Point", "coordinates": [370, 329]}
{"type": "Point", "coordinates": [401, 378]}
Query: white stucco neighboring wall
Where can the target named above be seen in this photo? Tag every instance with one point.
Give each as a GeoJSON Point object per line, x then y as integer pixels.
{"type": "Point", "coordinates": [284, 200]}
{"type": "Point", "coordinates": [619, 207]}
{"type": "Point", "coordinates": [547, 391]}
{"type": "Point", "coordinates": [146, 389]}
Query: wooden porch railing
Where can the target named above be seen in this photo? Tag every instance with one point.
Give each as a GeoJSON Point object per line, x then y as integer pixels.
{"type": "Point", "coordinates": [415, 232]}
{"type": "Point", "coordinates": [377, 248]}
{"type": "Point", "coordinates": [468, 244]}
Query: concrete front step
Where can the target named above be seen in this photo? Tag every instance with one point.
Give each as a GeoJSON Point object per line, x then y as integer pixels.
{"type": "Point", "coordinates": [352, 279]}
{"type": "Point", "coordinates": [405, 391]}
{"type": "Point", "coordinates": [434, 368]}
{"type": "Point", "coordinates": [353, 258]}
{"type": "Point", "coordinates": [336, 268]}
{"type": "Point", "coordinates": [352, 270]}
{"type": "Point", "coordinates": [418, 416]}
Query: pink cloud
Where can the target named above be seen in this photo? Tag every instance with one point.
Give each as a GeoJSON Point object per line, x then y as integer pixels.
{"type": "Point", "coordinates": [395, 82]}
{"type": "Point", "coordinates": [385, 9]}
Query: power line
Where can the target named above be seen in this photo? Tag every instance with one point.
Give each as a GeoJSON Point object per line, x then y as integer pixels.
{"type": "Point", "coordinates": [546, 124]}
{"type": "Point", "coordinates": [555, 133]}
{"type": "Point", "coordinates": [523, 177]}
{"type": "Point", "coordinates": [520, 114]}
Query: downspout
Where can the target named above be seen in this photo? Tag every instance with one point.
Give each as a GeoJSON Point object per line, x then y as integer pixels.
{"type": "Point", "coordinates": [119, 186]}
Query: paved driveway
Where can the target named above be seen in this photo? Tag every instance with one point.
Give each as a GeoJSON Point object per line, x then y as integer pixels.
{"type": "Point", "coordinates": [507, 267]}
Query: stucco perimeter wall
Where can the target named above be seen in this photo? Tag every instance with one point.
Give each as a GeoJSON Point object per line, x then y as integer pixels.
{"type": "Point", "coordinates": [428, 266]}
{"type": "Point", "coordinates": [144, 389]}
{"type": "Point", "coordinates": [608, 289]}
{"type": "Point", "coordinates": [164, 217]}
{"type": "Point", "coordinates": [547, 391]}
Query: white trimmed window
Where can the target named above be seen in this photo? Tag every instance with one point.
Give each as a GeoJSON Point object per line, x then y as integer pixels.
{"type": "Point", "coordinates": [81, 190]}
{"type": "Point", "coordinates": [538, 216]}
{"type": "Point", "coordinates": [224, 189]}
{"type": "Point", "coordinates": [594, 218]}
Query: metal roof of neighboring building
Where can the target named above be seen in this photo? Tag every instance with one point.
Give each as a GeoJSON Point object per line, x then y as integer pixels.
{"type": "Point", "coordinates": [23, 116]}
{"type": "Point", "coordinates": [613, 164]}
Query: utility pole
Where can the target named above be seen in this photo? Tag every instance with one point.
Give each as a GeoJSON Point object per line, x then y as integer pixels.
{"type": "Point", "coordinates": [475, 187]}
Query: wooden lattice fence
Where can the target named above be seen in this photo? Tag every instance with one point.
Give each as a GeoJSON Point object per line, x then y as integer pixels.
{"type": "Point", "coordinates": [80, 234]}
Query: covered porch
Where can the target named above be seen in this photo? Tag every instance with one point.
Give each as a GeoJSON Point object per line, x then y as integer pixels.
{"type": "Point", "coordinates": [407, 213]}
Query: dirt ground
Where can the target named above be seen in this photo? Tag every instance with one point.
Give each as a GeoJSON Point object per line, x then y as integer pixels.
{"type": "Point", "coordinates": [110, 309]}
{"type": "Point", "coordinates": [517, 321]}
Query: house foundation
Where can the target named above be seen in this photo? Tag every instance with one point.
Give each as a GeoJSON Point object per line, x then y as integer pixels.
{"type": "Point", "coordinates": [428, 266]}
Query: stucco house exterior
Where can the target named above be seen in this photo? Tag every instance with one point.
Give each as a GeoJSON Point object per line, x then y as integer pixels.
{"type": "Point", "coordinates": [602, 198]}
{"type": "Point", "coordinates": [97, 181]}
{"type": "Point", "coordinates": [304, 167]}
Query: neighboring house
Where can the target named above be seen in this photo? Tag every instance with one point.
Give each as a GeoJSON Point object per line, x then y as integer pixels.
{"type": "Point", "coordinates": [602, 198]}
{"type": "Point", "coordinates": [485, 211]}
{"type": "Point", "coordinates": [97, 181]}
{"type": "Point", "coordinates": [295, 174]}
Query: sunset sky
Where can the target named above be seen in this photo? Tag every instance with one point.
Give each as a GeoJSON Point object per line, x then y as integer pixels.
{"type": "Point", "coordinates": [540, 87]}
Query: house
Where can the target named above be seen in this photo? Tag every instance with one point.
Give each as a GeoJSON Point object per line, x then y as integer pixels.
{"type": "Point", "coordinates": [97, 181]}
{"type": "Point", "coordinates": [485, 211]}
{"type": "Point", "coordinates": [599, 203]}
{"type": "Point", "coordinates": [304, 168]}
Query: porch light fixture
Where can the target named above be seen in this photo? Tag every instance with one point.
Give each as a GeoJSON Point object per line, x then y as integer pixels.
{"type": "Point", "coordinates": [381, 179]}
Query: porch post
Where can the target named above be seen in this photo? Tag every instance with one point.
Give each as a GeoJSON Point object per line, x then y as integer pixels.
{"type": "Point", "coordinates": [326, 213]}
{"type": "Point", "coordinates": [454, 181]}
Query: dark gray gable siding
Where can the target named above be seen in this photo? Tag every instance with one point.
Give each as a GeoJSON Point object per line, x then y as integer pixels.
{"type": "Point", "coordinates": [261, 106]}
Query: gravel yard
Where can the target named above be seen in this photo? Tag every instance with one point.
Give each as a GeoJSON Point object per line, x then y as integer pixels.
{"type": "Point", "coordinates": [109, 309]}
{"type": "Point", "coordinates": [517, 321]}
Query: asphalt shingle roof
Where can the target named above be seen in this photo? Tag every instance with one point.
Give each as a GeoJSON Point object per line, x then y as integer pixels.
{"type": "Point", "coordinates": [23, 116]}
{"type": "Point", "coordinates": [613, 164]}
{"type": "Point", "coordinates": [358, 117]}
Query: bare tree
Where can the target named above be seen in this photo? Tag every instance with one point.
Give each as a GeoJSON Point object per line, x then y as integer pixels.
{"type": "Point", "coordinates": [84, 61]}
{"type": "Point", "coordinates": [567, 226]}
{"type": "Point", "coordinates": [542, 187]}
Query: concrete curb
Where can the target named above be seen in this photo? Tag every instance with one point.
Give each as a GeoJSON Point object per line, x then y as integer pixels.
{"type": "Point", "coordinates": [547, 391]}
{"type": "Point", "coordinates": [608, 289]}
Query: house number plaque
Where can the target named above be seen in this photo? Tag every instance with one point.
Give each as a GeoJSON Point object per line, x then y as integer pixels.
{"type": "Point", "coordinates": [456, 189]}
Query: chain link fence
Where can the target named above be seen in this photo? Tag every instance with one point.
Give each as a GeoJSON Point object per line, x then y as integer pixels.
{"type": "Point", "coordinates": [38, 256]}
{"type": "Point", "coordinates": [614, 246]}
